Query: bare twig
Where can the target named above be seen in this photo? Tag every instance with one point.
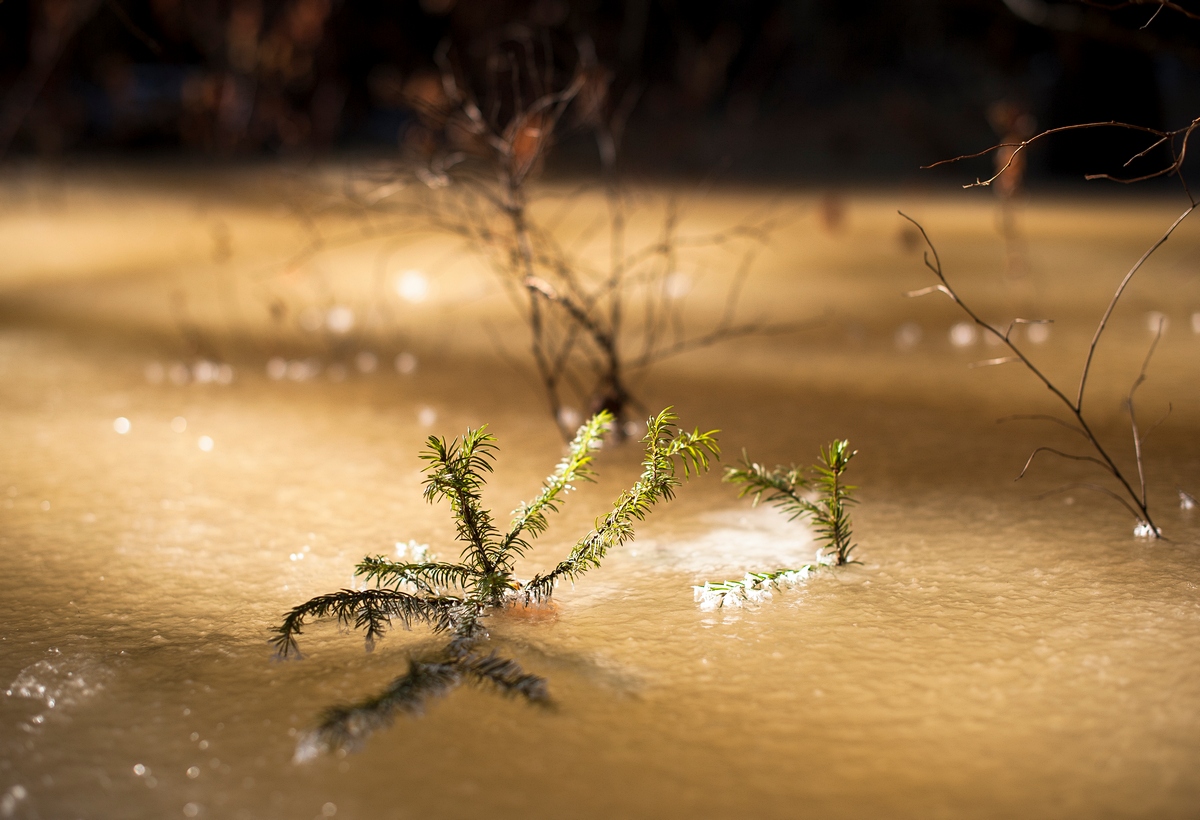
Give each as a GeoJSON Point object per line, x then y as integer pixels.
{"type": "Point", "coordinates": [585, 317]}
{"type": "Point", "coordinates": [1158, 4]}
{"type": "Point", "coordinates": [1101, 457]}
{"type": "Point", "coordinates": [1169, 138]}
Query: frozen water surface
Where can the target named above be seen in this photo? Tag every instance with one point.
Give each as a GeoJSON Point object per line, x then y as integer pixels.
{"type": "Point", "coordinates": [994, 656]}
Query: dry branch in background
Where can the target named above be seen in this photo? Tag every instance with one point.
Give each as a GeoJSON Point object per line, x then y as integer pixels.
{"type": "Point", "coordinates": [593, 327]}
{"type": "Point", "coordinates": [1134, 500]}
{"type": "Point", "coordinates": [1129, 492]}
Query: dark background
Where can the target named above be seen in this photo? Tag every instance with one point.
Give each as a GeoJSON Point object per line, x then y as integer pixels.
{"type": "Point", "coordinates": [754, 89]}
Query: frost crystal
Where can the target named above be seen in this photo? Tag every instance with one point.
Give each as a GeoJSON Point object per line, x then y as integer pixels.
{"type": "Point", "coordinates": [419, 553]}
{"type": "Point", "coordinates": [1144, 530]}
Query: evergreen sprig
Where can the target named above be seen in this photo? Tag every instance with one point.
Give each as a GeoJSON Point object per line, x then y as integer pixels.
{"type": "Point", "coordinates": [785, 489]}
{"type": "Point", "coordinates": [789, 489]}
{"type": "Point", "coordinates": [664, 444]}
{"type": "Point", "coordinates": [483, 580]}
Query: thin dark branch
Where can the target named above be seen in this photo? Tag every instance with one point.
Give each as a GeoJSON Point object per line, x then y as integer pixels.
{"type": "Point", "coordinates": [1061, 454]}
{"type": "Point", "coordinates": [1112, 304]}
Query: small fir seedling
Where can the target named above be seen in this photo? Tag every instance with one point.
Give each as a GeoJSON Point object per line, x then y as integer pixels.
{"type": "Point", "coordinates": [455, 599]}
{"type": "Point", "coordinates": [788, 489]}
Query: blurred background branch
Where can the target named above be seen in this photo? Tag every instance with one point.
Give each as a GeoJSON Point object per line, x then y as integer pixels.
{"type": "Point", "coordinates": [759, 89]}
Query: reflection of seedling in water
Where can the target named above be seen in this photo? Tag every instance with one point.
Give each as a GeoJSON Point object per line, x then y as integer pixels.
{"type": "Point", "coordinates": [786, 488]}
{"type": "Point", "coordinates": [483, 580]}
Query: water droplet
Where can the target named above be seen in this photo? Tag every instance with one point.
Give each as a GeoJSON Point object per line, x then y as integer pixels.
{"type": "Point", "coordinates": [427, 416]}
{"type": "Point", "coordinates": [139, 769]}
{"type": "Point", "coordinates": [179, 424]}
{"type": "Point", "coordinates": [121, 425]}
{"type": "Point", "coordinates": [190, 809]}
{"type": "Point", "coordinates": [205, 443]}
{"type": "Point", "coordinates": [329, 810]}
{"type": "Point", "coordinates": [193, 772]}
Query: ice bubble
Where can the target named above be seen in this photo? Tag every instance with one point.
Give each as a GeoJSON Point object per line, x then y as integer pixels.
{"type": "Point", "coordinates": [205, 443]}
{"type": "Point", "coordinates": [963, 334]}
{"type": "Point", "coordinates": [45, 506]}
{"type": "Point", "coordinates": [366, 361]}
{"type": "Point", "coordinates": [179, 424]}
{"type": "Point", "coordinates": [406, 364]}
{"type": "Point", "coordinates": [908, 336]}
{"type": "Point", "coordinates": [426, 416]}
{"type": "Point", "coordinates": [190, 809]}
{"type": "Point", "coordinates": [340, 319]}
{"type": "Point", "coordinates": [412, 286]}
{"type": "Point", "coordinates": [193, 772]}
{"type": "Point", "coordinates": [328, 810]}
{"type": "Point", "coordinates": [155, 372]}
{"type": "Point", "coordinates": [121, 425]}
{"type": "Point", "coordinates": [58, 683]}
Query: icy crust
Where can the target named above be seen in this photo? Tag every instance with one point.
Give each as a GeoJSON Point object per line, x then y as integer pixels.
{"type": "Point", "coordinates": [58, 682]}
{"type": "Point", "coordinates": [756, 587]}
{"type": "Point", "coordinates": [728, 542]}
